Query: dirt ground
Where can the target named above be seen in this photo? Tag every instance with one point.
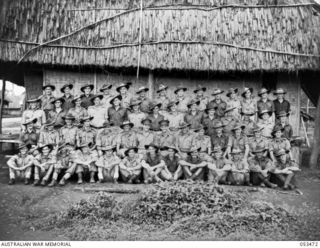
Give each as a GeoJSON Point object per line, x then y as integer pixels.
{"type": "Point", "coordinates": [20, 203]}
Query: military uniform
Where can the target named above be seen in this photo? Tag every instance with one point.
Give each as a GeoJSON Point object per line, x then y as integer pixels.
{"type": "Point", "coordinates": [136, 119]}
{"type": "Point", "coordinates": [107, 137]}
{"type": "Point", "coordinates": [204, 143]}
{"type": "Point", "coordinates": [255, 164]}
{"type": "Point", "coordinates": [49, 137]}
{"type": "Point", "coordinates": [249, 106]}
{"type": "Point", "coordinates": [155, 126]}
{"type": "Point", "coordinates": [68, 102]}
{"type": "Point", "coordinates": [203, 102]}
{"type": "Point", "coordinates": [69, 135]}
{"type": "Point", "coordinates": [175, 119]}
{"type": "Point", "coordinates": [45, 173]}
{"type": "Point", "coordinates": [117, 116]}
{"type": "Point", "coordinates": [107, 167]}
{"type": "Point", "coordinates": [228, 122]}
{"type": "Point", "coordinates": [127, 140]}
{"type": "Point", "coordinates": [209, 123]}
{"type": "Point", "coordinates": [194, 161]}
{"type": "Point", "coordinates": [78, 114]}
{"type": "Point", "coordinates": [125, 102]}
{"type": "Point", "coordinates": [106, 101]}
{"type": "Point", "coordinates": [57, 117]}
{"type": "Point", "coordinates": [220, 106]}
{"type": "Point", "coordinates": [238, 142]}
{"type": "Point", "coordinates": [20, 161]}
{"type": "Point", "coordinates": [268, 105]}
{"type": "Point", "coordinates": [258, 142]}
{"type": "Point", "coordinates": [240, 171]}
{"type": "Point", "coordinates": [131, 167]}
{"type": "Point", "coordinates": [29, 137]}
{"type": "Point", "coordinates": [267, 126]}
{"type": "Point", "coordinates": [145, 104]}
{"type": "Point", "coordinates": [184, 143]}
{"type": "Point", "coordinates": [99, 114]}
{"type": "Point", "coordinates": [38, 114]}
{"type": "Point", "coordinates": [281, 106]}
{"type": "Point", "coordinates": [165, 138]}
{"type": "Point", "coordinates": [218, 170]}
{"type": "Point", "coordinates": [236, 104]}
{"type": "Point", "coordinates": [277, 144]}
{"type": "Point", "coordinates": [145, 138]}
{"type": "Point", "coordinates": [194, 119]}
{"type": "Point", "coordinates": [287, 130]}
{"type": "Point", "coordinates": [164, 103]}
{"type": "Point", "coordinates": [249, 125]}
{"type": "Point", "coordinates": [221, 140]}
{"type": "Point", "coordinates": [86, 135]}
{"type": "Point", "coordinates": [86, 100]}
{"type": "Point", "coordinates": [182, 106]}
{"type": "Point", "coordinates": [79, 162]}
{"type": "Point", "coordinates": [46, 104]}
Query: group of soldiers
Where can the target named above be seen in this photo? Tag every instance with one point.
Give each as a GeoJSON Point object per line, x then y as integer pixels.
{"type": "Point", "coordinates": [116, 137]}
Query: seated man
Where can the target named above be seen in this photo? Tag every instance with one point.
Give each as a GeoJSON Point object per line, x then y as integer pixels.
{"type": "Point", "coordinates": [260, 167]}
{"type": "Point", "coordinates": [44, 164]}
{"type": "Point", "coordinates": [219, 168]}
{"type": "Point", "coordinates": [108, 164]}
{"type": "Point", "coordinates": [69, 132]}
{"type": "Point", "coordinates": [86, 134]}
{"type": "Point", "coordinates": [48, 135]}
{"type": "Point", "coordinates": [203, 142]}
{"type": "Point", "coordinates": [145, 136]}
{"type": "Point", "coordinates": [257, 140]}
{"type": "Point", "coordinates": [127, 138]}
{"type": "Point", "coordinates": [20, 165]}
{"type": "Point", "coordinates": [219, 138]}
{"type": "Point", "coordinates": [193, 166]}
{"type": "Point", "coordinates": [172, 162]}
{"type": "Point", "coordinates": [265, 121]}
{"type": "Point", "coordinates": [130, 166]}
{"type": "Point", "coordinates": [240, 168]}
{"type": "Point", "coordinates": [238, 140]}
{"type": "Point", "coordinates": [278, 142]}
{"type": "Point", "coordinates": [165, 137]}
{"type": "Point", "coordinates": [108, 136]}
{"type": "Point", "coordinates": [285, 169]}
{"type": "Point", "coordinates": [84, 160]}
{"type": "Point", "coordinates": [65, 154]}
{"type": "Point", "coordinates": [184, 140]}
{"type": "Point", "coordinates": [29, 135]}
{"type": "Point", "coordinates": [154, 168]}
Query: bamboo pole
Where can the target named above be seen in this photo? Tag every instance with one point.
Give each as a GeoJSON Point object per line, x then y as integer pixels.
{"type": "Point", "coordinates": [151, 84]}
{"type": "Point", "coordinates": [305, 132]}
{"type": "Point", "coordinates": [140, 35]}
{"type": "Point", "coordinates": [4, 82]}
{"type": "Point", "coordinates": [316, 139]}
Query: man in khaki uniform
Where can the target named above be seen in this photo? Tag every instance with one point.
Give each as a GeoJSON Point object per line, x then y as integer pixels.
{"type": "Point", "coordinates": [203, 101]}
{"type": "Point", "coordinates": [108, 136]}
{"type": "Point", "coordinates": [20, 165]}
{"type": "Point", "coordinates": [184, 140]}
{"type": "Point", "coordinates": [48, 135]}
{"type": "Point", "coordinates": [68, 98]}
{"type": "Point", "coordinates": [203, 142]}
{"type": "Point", "coordinates": [194, 117]}
{"type": "Point", "coordinates": [128, 138]}
{"type": "Point", "coordinates": [33, 112]}
{"type": "Point", "coordinates": [145, 101]}
{"type": "Point", "coordinates": [130, 166]}
{"type": "Point", "coordinates": [218, 103]}
{"type": "Point", "coordinates": [86, 134]}
{"type": "Point", "coordinates": [145, 137]}
{"type": "Point", "coordinates": [47, 98]}
{"type": "Point", "coordinates": [68, 133]}
{"type": "Point", "coordinates": [181, 99]}
{"type": "Point", "coordinates": [240, 168]}
{"type": "Point", "coordinates": [107, 96]}
{"type": "Point", "coordinates": [163, 98]}
{"type": "Point", "coordinates": [87, 95]}
{"type": "Point", "coordinates": [165, 137]}
{"type": "Point", "coordinates": [30, 135]}
{"type": "Point", "coordinates": [122, 89]}
{"type": "Point", "coordinates": [174, 117]}
{"type": "Point", "coordinates": [136, 116]}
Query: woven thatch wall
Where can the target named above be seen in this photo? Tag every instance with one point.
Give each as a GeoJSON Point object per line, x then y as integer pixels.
{"type": "Point", "coordinates": [286, 29]}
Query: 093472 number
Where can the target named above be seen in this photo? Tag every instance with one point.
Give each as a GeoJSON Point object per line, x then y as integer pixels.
{"type": "Point", "coordinates": [309, 243]}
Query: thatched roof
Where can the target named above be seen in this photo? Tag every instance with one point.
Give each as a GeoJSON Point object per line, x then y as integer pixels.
{"type": "Point", "coordinates": [209, 35]}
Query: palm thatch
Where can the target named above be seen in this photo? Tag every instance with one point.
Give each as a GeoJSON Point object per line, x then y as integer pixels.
{"type": "Point", "coordinates": [211, 35]}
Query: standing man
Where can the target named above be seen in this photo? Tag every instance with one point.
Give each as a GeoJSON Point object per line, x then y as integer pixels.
{"type": "Point", "coordinates": [68, 98]}
{"type": "Point", "coordinates": [136, 116]}
{"type": "Point", "coordinates": [86, 96]}
{"type": "Point", "coordinates": [234, 102]}
{"type": "Point", "coordinates": [229, 120]}
{"type": "Point", "coordinates": [145, 101]}
{"type": "Point", "coordinates": [219, 139]}
{"type": "Point", "coordinates": [68, 133]}
{"type": "Point", "coordinates": [174, 117]}
{"type": "Point", "coordinates": [155, 117]}
{"type": "Point", "coordinates": [34, 112]}
{"type": "Point", "coordinates": [97, 111]}
{"type": "Point", "coordinates": [248, 103]}
{"type": "Point", "coordinates": [194, 117]}
{"type": "Point", "coordinates": [238, 140]}
{"type": "Point", "coordinates": [47, 98]}
{"type": "Point", "coordinates": [265, 102]}
{"type": "Point", "coordinates": [218, 103]}
{"type": "Point", "coordinates": [78, 111]}
{"type": "Point", "coordinates": [86, 134]}
{"type": "Point", "coordinates": [163, 98]}
{"type": "Point", "coordinates": [209, 121]}
{"type": "Point", "coordinates": [203, 101]}
{"type": "Point", "coordinates": [184, 140]}
{"type": "Point", "coordinates": [281, 104]}
{"type": "Point", "coordinates": [29, 135]}
{"type": "Point", "coordinates": [181, 99]}
{"type": "Point", "coordinates": [145, 137]}
{"type": "Point", "coordinates": [57, 113]}
{"type": "Point", "coordinates": [128, 138]}
{"type": "Point", "coordinates": [122, 89]}
{"type": "Point", "coordinates": [117, 114]}
{"type": "Point", "coordinates": [105, 90]}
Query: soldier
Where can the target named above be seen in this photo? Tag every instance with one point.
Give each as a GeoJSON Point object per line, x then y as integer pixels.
{"type": "Point", "coordinates": [218, 103]}
{"type": "Point", "coordinates": [47, 98]}
{"type": "Point", "coordinates": [234, 103]}
{"type": "Point", "coordinates": [122, 89]}
{"type": "Point", "coordinates": [145, 137]}
{"type": "Point", "coordinates": [210, 120]}
{"type": "Point", "coordinates": [248, 103]}
{"type": "Point", "coordinates": [107, 136]}
{"type": "Point", "coordinates": [86, 134]}
{"type": "Point", "coordinates": [130, 166]}
{"type": "Point", "coordinates": [219, 139]}
{"type": "Point", "coordinates": [83, 160]}
{"type": "Point", "coordinates": [97, 111]}
{"type": "Point", "coordinates": [154, 168]}
{"type": "Point", "coordinates": [203, 142]}
{"type": "Point", "coordinates": [128, 138]}
{"type": "Point", "coordinates": [184, 140]}
{"type": "Point", "coordinates": [105, 90]}
{"type": "Point", "coordinates": [260, 167]}
{"type": "Point", "coordinates": [68, 133]}
{"type": "Point", "coordinates": [203, 101]}
{"type": "Point", "coordinates": [281, 104]}
{"type": "Point", "coordinates": [240, 168]}
{"type": "Point", "coordinates": [238, 140]}
{"type": "Point", "coordinates": [116, 113]}
{"type": "Point", "coordinates": [181, 99]}
{"type": "Point", "coordinates": [265, 122]}
{"type": "Point", "coordinates": [194, 117]}
{"type": "Point", "coordinates": [171, 160]}
{"type": "Point", "coordinates": [145, 101]}
{"type": "Point", "coordinates": [174, 117]}
{"type": "Point", "coordinates": [219, 168]}
{"type": "Point", "coordinates": [278, 143]}
{"type": "Point", "coordinates": [265, 102]}
{"type": "Point", "coordinates": [136, 116]}
{"type": "Point", "coordinates": [48, 135]}
{"type": "Point", "coordinates": [20, 165]}
{"type": "Point", "coordinates": [68, 98]}
{"type": "Point", "coordinates": [87, 95]}
{"type": "Point", "coordinates": [193, 166]}
{"type": "Point", "coordinates": [108, 164]}
{"type": "Point", "coordinates": [33, 112]}
{"type": "Point", "coordinates": [57, 113]}
{"type": "Point", "coordinates": [229, 120]}
{"type": "Point", "coordinates": [283, 123]}
{"type": "Point", "coordinates": [163, 98]}
{"type": "Point", "coordinates": [165, 137]}
{"type": "Point", "coordinates": [30, 135]}
{"type": "Point", "coordinates": [285, 170]}
{"type": "Point", "coordinates": [64, 156]}
{"type": "Point", "coordinates": [248, 122]}
{"type": "Point", "coordinates": [258, 140]}
{"type": "Point", "coordinates": [77, 111]}
{"type": "Point", "coordinates": [155, 116]}
{"type": "Point", "coordinates": [44, 165]}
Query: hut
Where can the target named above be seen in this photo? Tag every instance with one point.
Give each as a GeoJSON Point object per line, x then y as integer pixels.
{"type": "Point", "coordinates": [216, 43]}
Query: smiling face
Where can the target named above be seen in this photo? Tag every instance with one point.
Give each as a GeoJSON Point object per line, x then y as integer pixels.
{"type": "Point", "coordinates": [163, 93]}
{"type": "Point", "coordinates": [23, 151]}
{"type": "Point", "coordinates": [193, 107]}
{"type": "Point", "coordinates": [85, 149]}
{"type": "Point", "coordinates": [257, 134]}
{"type": "Point", "coordinates": [211, 112]}
{"type": "Point", "coordinates": [48, 91]}
{"type": "Point", "coordinates": [67, 90]}
{"type": "Point", "coordinates": [265, 116]}
{"type": "Point", "coordinates": [278, 134]}
{"type": "Point", "coordinates": [194, 154]}
{"type": "Point", "coordinates": [87, 90]}
{"type": "Point", "coordinates": [116, 102]}
{"type": "Point", "coordinates": [30, 126]}
{"type": "Point", "coordinates": [142, 94]}
{"type": "Point", "coordinates": [180, 93]}
{"type": "Point", "coordinates": [199, 93]}
{"type": "Point", "coordinates": [131, 153]}
{"type": "Point", "coordinates": [173, 108]}
{"type": "Point", "coordinates": [78, 102]}
{"type": "Point", "coordinates": [123, 90]}
{"type": "Point", "coordinates": [283, 158]}
{"type": "Point", "coordinates": [58, 104]}
{"type": "Point", "coordinates": [219, 130]}
{"type": "Point", "coordinates": [280, 96]}
{"type": "Point", "coordinates": [135, 108]}
{"type": "Point", "coordinates": [152, 150]}
{"type": "Point", "coordinates": [146, 127]}
{"type": "Point", "coordinates": [264, 96]}
{"type": "Point", "coordinates": [217, 155]}
{"type": "Point", "coordinates": [106, 91]}
{"type": "Point", "coordinates": [96, 101]}
{"type": "Point", "coordinates": [33, 105]}
{"type": "Point", "coordinates": [126, 128]}
{"type": "Point", "coordinates": [45, 151]}
{"type": "Point", "coordinates": [247, 94]}
{"type": "Point", "coordinates": [68, 122]}
{"type": "Point", "coordinates": [163, 126]}
{"type": "Point", "coordinates": [283, 119]}
{"type": "Point", "coordinates": [108, 153]}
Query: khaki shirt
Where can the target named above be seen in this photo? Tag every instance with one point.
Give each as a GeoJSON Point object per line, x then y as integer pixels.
{"type": "Point", "coordinates": [31, 114]}
{"type": "Point", "coordinates": [145, 138]}
{"type": "Point", "coordinates": [117, 116]}
{"type": "Point", "coordinates": [221, 141]}
{"type": "Point", "coordinates": [50, 158]}
{"type": "Point", "coordinates": [279, 165]}
{"type": "Point", "coordinates": [185, 142]}
{"type": "Point", "coordinates": [203, 103]}
{"type": "Point", "coordinates": [221, 107]}
{"type": "Point", "coordinates": [203, 142]}
{"type": "Point", "coordinates": [128, 139]}
{"type": "Point", "coordinates": [107, 161]}
{"type": "Point", "coordinates": [106, 101]}
{"type": "Point", "coordinates": [258, 142]}
{"type": "Point", "coordinates": [99, 114]}
{"type": "Point", "coordinates": [85, 157]}
{"type": "Point", "coordinates": [68, 104]}
{"type": "Point", "coordinates": [86, 136]}
{"type": "Point", "coordinates": [209, 123]}
{"type": "Point", "coordinates": [163, 139]}
{"type": "Point", "coordinates": [49, 137]}
{"type": "Point", "coordinates": [267, 127]}
{"type": "Point", "coordinates": [234, 104]}
{"type": "Point", "coordinates": [107, 137]}
{"type": "Point", "coordinates": [136, 119]}
{"type": "Point", "coordinates": [69, 135]}
{"type": "Point", "coordinates": [220, 163]}
{"type": "Point", "coordinates": [20, 161]}
{"type": "Point", "coordinates": [264, 163]}
{"type": "Point", "coordinates": [78, 113]}
{"type": "Point", "coordinates": [29, 137]}
{"type": "Point", "coordinates": [194, 119]}
{"type": "Point", "coordinates": [239, 142]}
{"type": "Point", "coordinates": [240, 165]}
{"type": "Point", "coordinates": [130, 163]}
{"type": "Point", "coordinates": [277, 144]}
{"type": "Point", "coordinates": [46, 102]}
{"type": "Point", "coordinates": [86, 101]}
{"type": "Point", "coordinates": [145, 104]}
{"type": "Point", "coordinates": [183, 105]}
{"type": "Point", "coordinates": [155, 126]}
{"type": "Point", "coordinates": [248, 106]}
{"type": "Point", "coordinates": [174, 119]}
{"type": "Point", "coordinates": [125, 102]}
{"type": "Point", "coordinates": [57, 117]}
{"type": "Point", "coordinates": [164, 103]}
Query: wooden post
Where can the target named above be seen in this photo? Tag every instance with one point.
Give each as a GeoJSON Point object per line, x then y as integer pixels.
{"type": "Point", "coordinates": [151, 84]}
{"type": "Point", "coordinates": [2, 102]}
{"type": "Point", "coordinates": [316, 139]}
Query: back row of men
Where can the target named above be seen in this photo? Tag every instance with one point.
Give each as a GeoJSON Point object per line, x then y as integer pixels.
{"type": "Point", "coordinates": [221, 139]}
